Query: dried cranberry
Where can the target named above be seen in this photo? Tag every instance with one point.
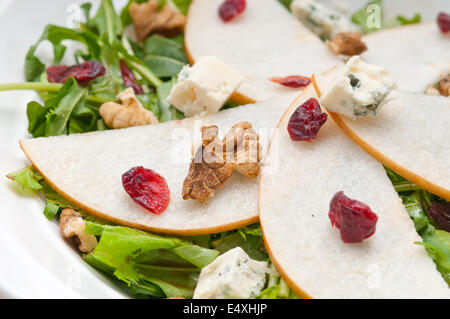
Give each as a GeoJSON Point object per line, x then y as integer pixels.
{"type": "Point", "coordinates": [128, 78]}
{"type": "Point", "coordinates": [443, 21]}
{"type": "Point", "coordinates": [83, 73]}
{"type": "Point", "coordinates": [147, 189]}
{"type": "Point", "coordinates": [355, 220]}
{"type": "Point", "coordinates": [292, 81]}
{"type": "Point", "coordinates": [231, 8]}
{"type": "Point", "coordinates": [306, 121]}
{"type": "Point", "coordinates": [440, 212]}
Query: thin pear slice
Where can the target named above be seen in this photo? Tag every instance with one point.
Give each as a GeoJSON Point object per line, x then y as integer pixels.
{"type": "Point", "coordinates": [297, 183]}
{"type": "Point", "coordinates": [263, 42]}
{"type": "Point", "coordinates": [410, 135]}
{"type": "Point", "coordinates": [417, 55]}
{"type": "Point", "coordinates": [86, 169]}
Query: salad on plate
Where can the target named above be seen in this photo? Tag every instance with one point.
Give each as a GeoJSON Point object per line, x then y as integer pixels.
{"type": "Point", "coordinates": [242, 149]}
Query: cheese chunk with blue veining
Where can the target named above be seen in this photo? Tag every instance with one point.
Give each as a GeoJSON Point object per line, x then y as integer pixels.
{"type": "Point", "coordinates": [205, 87]}
{"type": "Point", "coordinates": [321, 20]}
{"type": "Point", "coordinates": [233, 275]}
{"type": "Point", "coordinates": [358, 89]}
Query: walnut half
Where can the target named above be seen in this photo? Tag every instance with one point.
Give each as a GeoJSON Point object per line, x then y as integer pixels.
{"type": "Point", "coordinates": [215, 160]}
{"type": "Point", "coordinates": [347, 43]}
{"type": "Point", "coordinates": [129, 113]}
{"type": "Point", "coordinates": [147, 19]}
{"type": "Point", "coordinates": [71, 224]}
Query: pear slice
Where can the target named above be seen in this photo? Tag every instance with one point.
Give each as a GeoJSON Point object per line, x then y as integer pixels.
{"type": "Point", "coordinates": [297, 183]}
{"type": "Point", "coordinates": [410, 135]}
{"type": "Point", "coordinates": [87, 168]}
{"type": "Point", "coordinates": [263, 42]}
{"type": "Point", "coordinates": [416, 55]}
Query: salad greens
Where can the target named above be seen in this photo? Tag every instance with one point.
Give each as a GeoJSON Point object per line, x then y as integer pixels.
{"type": "Point", "coordinates": [149, 265]}
{"type": "Point", "coordinates": [417, 201]}
{"type": "Point", "coordinates": [73, 108]}
{"type": "Point", "coordinates": [145, 264]}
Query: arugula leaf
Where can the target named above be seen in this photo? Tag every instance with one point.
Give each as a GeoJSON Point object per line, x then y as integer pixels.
{"type": "Point", "coordinates": [52, 118]}
{"type": "Point", "coordinates": [56, 34]}
{"type": "Point", "coordinates": [150, 102]}
{"type": "Point", "coordinates": [167, 111]}
{"type": "Point", "coordinates": [106, 22]}
{"type": "Point", "coordinates": [163, 66]}
{"type": "Point", "coordinates": [166, 47]}
{"type": "Point", "coordinates": [436, 242]}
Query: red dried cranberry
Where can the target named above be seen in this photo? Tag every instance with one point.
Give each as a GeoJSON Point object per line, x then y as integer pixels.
{"type": "Point", "coordinates": [306, 121]}
{"type": "Point", "coordinates": [292, 81]}
{"type": "Point", "coordinates": [355, 220]}
{"type": "Point", "coordinates": [83, 73]}
{"type": "Point", "coordinates": [443, 21]}
{"type": "Point", "coordinates": [440, 212]}
{"type": "Point", "coordinates": [128, 78]}
{"type": "Point", "coordinates": [147, 189]}
{"type": "Point", "coordinates": [231, 8]}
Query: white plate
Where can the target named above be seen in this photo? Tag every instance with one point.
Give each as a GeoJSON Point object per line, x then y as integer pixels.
{"type": "Point", "coordinates": [35, 262]}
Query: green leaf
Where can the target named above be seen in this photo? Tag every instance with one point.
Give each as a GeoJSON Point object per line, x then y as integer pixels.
{"type": "Point", "coordinates": [150, 102]}
{"type": "Point", "coordinates": [167, 111]}
{"type": "Point", "coordinates": [404, 21]}
{"type": "Point", "coordinates": [436, 242]}
{"type": "Point", "coordinates": [286, 3]}
{"type": "Point", "coordinates": [182, 5]}
{"type": "Point", "coordinates": [368, 16]}
{"type": "Point", "coordinates": [28, 178]}
{"type": "Point", "coordinates": [51, 210]}
{"type": "Point", "coordinates": [106, 22]}
{"type": "Point", "coordinates": [196, 255]}
{"type": "Point", "coordinates": [139, 258]}
{"type": "Point", "coordinates": [62, 106]}
{"type": "Point", "coordinates": [165, 47]}
{"type": "Point", "coordinates": [270, 293]}
{"type": "Point", "coordinates": [252, 245]}
{"type": "Point", "coordinates": [56, 34]}
{"type": "Point", "coordinates": [52, 118]}
{"type": "Point", "coordinates": [163, 67]}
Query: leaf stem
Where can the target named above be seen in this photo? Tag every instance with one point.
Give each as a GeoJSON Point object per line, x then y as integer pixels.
{"type": "Point", "coordinates": [406, 187]}
{"type": "Point", "coordinates": [145, 72]}
{"type": "Point", "coordinates": [46, 87]}
{"type": "Point", "coordinates": [35, 86]}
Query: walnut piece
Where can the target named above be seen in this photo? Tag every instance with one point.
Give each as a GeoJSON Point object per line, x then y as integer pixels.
{"type": "Point", "coordinates": [129, 113]}
{"type": "Point", "coordinates": [147, 19]}
{"type": "Point", "coordinates": [216, 160]}
{"type": "Point", "coordinates": [347, 43]}
{"type": "Point", "coordinates": [71, 224]}
{"type": "Point", "coordinates": [441, 88]}
{"type": "Point", "coordinates": [444, 86]}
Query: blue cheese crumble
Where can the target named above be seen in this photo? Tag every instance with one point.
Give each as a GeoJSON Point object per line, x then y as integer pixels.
{"type": "Point", "coordinates": [321, 20]}
{"type": "Point", "coordinates": [233, 275]}
{"type": "Point", "coordinates": [204, 87]}
{"type": "Point", "coordinates": [358, 89]}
